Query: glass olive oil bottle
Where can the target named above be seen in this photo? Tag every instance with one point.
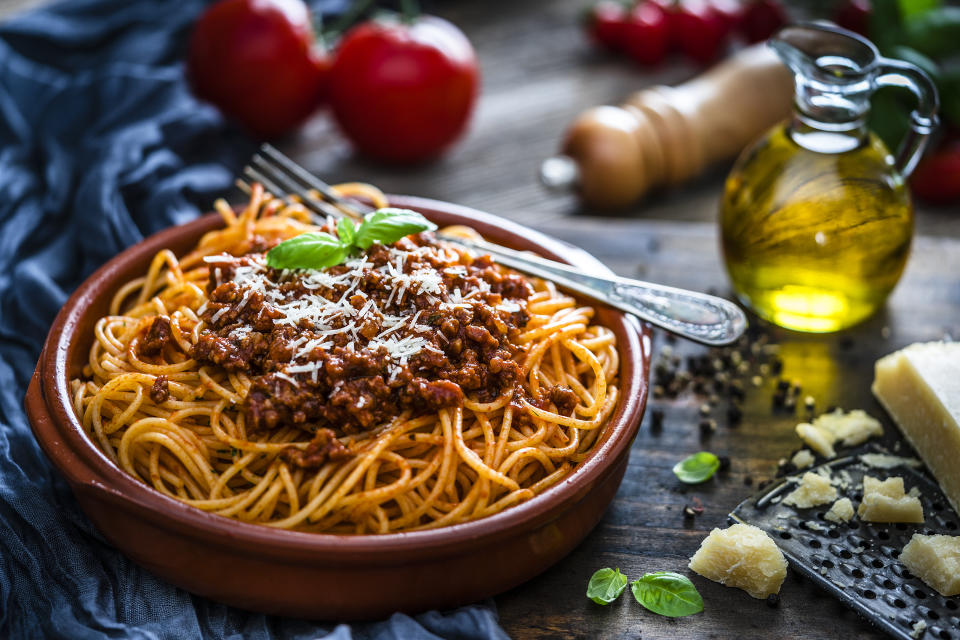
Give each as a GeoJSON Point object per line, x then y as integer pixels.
{"type": "Point", "coordinates": [816, 220]}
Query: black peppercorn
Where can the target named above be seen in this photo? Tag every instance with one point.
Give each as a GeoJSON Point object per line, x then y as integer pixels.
{"type": "Point", "coordinates": [734, 415]}
{"type": "Point", "coordinates": [656, 419]}
{"type": "Point", "coordinates": [776, 367]}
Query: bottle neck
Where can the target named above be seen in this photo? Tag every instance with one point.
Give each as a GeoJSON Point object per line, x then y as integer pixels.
{"type": "Point", "coordinates": [814, 137]}
{"type": "Point", "coordinates": [829, 117]}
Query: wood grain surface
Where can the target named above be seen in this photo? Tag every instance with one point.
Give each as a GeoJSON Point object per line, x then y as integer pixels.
{"type": "Point", "coordinates": [538, 74]}
{"type": "Point", "coordinates": [644, 530]}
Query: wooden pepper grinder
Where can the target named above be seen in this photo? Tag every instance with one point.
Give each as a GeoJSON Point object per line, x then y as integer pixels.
{"type": "Point", "coordinates": [665, 135]}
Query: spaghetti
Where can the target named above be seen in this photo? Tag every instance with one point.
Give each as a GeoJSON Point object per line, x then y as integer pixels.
{"type": "Point", "coordinates": [414, 386]}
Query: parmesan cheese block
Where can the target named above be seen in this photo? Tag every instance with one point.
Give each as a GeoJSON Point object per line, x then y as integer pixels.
{"type": "Point", "coordinates": [887, 501]}
{"type": "Point", "coordinates": [848, 429]}
{"type": "Point", "coordinates": [920, 387]}
{"type": "Point", "coordinates": [741, 556]}
{"type": "Point", "coordinates": [814, 490]}
{"type": "Point", "coordinates": [935, 560]}
{"type": "Point", "coordinates": [841, 511]}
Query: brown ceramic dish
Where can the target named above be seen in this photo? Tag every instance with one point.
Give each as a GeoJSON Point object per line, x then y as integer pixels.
{"type": "Point", "coordinates": [326, 576]}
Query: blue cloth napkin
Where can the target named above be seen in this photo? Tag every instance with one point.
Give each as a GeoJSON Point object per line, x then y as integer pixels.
{"type": "Point", "coordinates": [101, 144]}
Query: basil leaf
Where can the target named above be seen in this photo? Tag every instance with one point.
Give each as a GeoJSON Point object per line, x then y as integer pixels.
{"type": "Point", "coordinates": [667, 593]}
{"type": "Point", "coordinates": [697, 468]}
{"type": "Point", "coordinates": [386, 226]}
{"type": "Point", "coordinates": [606, 585]}
{"type": "Point", "coordinates": [308, 251]}
{"type": "Point", "coordinates": [346, 231]}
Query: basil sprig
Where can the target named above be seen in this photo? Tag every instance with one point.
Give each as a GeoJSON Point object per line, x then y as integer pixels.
{"type": "Point", "coordinates": [667, 593]}
{"type": "Point", "coordinates": [663, 592]}
{"type": "Point", "coordinates": [321, 249]}
{"type": "Point", "coordinates": [389, 225]}
{"type": "Point", "coordinates": [606, 585]}
{"type": "Point", "coordinates": [697, 468]}
{"type": "Point", "coordinates": [308, 251]}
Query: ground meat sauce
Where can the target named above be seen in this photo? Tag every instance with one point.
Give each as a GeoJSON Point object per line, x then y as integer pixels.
{"type": "Point", "coordinates": [564, 399]}
{"type": "Point", "coordinates": [160, 391]}
{"type": "Point", "coordinates": [156, 337]}
{"type": "Point", "coordinates": [409, 327]}
{"type": "Point", "coordinates": [323, 447]}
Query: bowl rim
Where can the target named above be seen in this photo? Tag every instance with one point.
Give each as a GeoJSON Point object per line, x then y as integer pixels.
{"type": "Point", "coordinates": [88, 468]}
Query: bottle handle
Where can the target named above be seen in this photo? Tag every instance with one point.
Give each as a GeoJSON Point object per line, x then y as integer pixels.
{"type": "Point", "coordinates": [923, 119]}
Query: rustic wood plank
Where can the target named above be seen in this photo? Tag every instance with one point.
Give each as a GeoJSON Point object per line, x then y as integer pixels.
{"type": "Point", "coordinates": [644, 529]}
{"type": "Point", "coordinates": [539, 73]}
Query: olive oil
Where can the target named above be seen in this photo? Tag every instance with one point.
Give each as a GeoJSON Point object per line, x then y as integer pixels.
{"type": "Point", "coordinates": [816, 219]}
{"type": "Point", "coordinates": [815, 239]}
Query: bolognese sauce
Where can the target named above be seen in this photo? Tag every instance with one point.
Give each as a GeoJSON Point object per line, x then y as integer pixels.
{"type": "Point", "coordinates": [413, 386]}
{"type": "Point", "coordinates": [409, 327]}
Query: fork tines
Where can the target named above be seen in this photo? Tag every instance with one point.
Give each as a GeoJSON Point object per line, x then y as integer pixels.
{"type": "Point", "coordinates": [284, 178]}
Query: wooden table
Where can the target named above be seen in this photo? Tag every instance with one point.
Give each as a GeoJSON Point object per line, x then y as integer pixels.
{"type": "Point", "coordinates": [539, 73]}
{"type": "Point", "coordinates": [644, 530]}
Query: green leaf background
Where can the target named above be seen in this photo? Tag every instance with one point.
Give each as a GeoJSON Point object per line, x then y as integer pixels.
{"type": "Point", "coordinates": [924, 33]}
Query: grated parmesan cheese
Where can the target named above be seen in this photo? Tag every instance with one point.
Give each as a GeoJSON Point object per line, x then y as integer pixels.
{"type": "Point", "coordinates": [313, 309]}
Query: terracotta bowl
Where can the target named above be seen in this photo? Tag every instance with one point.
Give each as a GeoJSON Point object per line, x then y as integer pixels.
{"type": "Point", "coordinates": [325, 576]}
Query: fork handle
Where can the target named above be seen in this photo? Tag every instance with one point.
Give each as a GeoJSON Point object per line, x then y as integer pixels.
{"type": "Point", "coordinates": [698, 316]}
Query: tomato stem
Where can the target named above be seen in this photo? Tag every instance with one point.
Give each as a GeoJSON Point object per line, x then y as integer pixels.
{"type": "Point", "coordinates": [345, 21]}
{"type": "Point", "coordinates": [409, 10]}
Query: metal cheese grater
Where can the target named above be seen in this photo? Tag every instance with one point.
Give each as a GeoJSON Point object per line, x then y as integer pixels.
{"type": "Point", "coordinates": [857, 561]}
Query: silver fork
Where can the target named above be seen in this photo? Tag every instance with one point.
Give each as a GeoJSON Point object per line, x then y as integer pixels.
{"type": "Point", "coordinates": [700, 317]}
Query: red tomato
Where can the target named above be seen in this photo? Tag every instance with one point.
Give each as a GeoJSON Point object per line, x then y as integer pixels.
{"type": "Point", "coordinates": [854, 15]}
{"type": "Point", "coordinates": [403, 92]}
{"type": "Point", "coordinates": [762, 19]}
{"type": "Point", "coordinates": [669, 8]}
{"type": "Point", "coordinates": [700, 31]}
{"type": "Point", "coordinates": [258, 61]}
{"type": "Point", "coordinates": [731, 11]}
{"type": "Point", "coordinates": [937, 178]}
{"type": "Point", "coordinates": [647, 36]}
{"type": "Point", "coordinates": [606, 24]}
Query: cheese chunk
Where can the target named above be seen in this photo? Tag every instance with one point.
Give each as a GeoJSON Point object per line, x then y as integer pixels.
{"type": "Point", "coordinates": [848, 429]}
{"type": "Point", "coordinates": [814, 490]}
{"type": "Point", "coordinates": [802, 459]}
{"type": "Point", "coordinates": [741, 556]}
{"type": "Point", "coordinates": [841, 511]}
{"type": "Point", "coordinates": [920, 387]}
{"type": "Point", "coordinates": [935, 560]}
{"type": "Point", "coordinates": [886, 501]}
{"type": "Point", "coordinates": [918, 629]}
